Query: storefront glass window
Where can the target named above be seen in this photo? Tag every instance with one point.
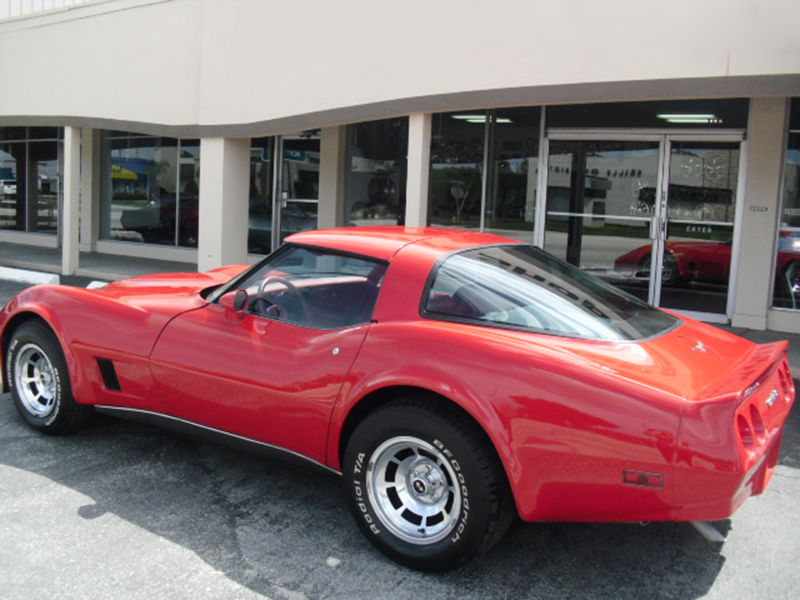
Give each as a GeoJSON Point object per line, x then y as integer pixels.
{"type": "Point", "coordinates": [376, 179]}
{"type": "Point", "coordinates": [30, 181]}
{"type": "Point", "coordinates": [150, 189]}
{"type": "Point", "coordinates": [456, 176]}
{"type": "Point", "coordinates": [513, 172]}
{"type": "Point", "coordinates": [508, 169]}
{"type": "Point", "coordinates": [259, 238]}
{"type": "Point", "coordinates": [787, 266]}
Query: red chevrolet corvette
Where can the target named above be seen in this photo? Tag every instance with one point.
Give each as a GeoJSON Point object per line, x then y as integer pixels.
{"type": "Point", "coordinates": [455, 380]}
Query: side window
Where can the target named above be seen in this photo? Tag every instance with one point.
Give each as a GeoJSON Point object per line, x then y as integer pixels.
{"type": "Point", "coordinates": [315, 288]}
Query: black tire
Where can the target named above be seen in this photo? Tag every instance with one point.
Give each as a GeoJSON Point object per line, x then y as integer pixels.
{"type": "Point", "coordinates": [39, 381]}
{"type": "Point", "coordinates": [425, 487]}
{"type": "Point", "coordinates": [670, 271]}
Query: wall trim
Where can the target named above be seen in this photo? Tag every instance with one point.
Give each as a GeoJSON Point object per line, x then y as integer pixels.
{"type": "Point", "coordinates": [594, 92]}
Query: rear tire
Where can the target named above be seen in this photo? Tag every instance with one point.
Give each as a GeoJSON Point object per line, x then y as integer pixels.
{"type": "Point", "coordinates": [425, 487]}
{"type": "Point", "coordinates": [39, 381]}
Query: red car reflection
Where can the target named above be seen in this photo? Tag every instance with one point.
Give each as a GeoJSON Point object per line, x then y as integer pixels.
{"type": "Point", "coordinates": [710, 262]}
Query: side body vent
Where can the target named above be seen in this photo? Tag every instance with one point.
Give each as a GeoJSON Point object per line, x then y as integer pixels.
{"type": "Point", "coordinates": [109, 374]}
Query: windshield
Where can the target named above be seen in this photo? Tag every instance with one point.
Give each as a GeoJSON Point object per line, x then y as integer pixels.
{"type": "Point", "coordinates": [522, 287]}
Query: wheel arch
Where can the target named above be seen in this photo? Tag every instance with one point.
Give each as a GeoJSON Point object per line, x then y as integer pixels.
{"type": "Point", "coordinates": [14, 323]}
{"type": "Point", "coordinates": [380, 397]}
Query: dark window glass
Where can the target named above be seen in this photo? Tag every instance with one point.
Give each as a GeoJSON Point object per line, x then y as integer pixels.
{"type": "Point", "coordinates": [787, 266]}
{"type": "Point", "coordinates": [13, 163]}
{"type": "Point", "coordinates": [314, 288]}
{"type": "Point", "coordinates": [513, 171]}
{"type": "Point", "coordinates": [376, 178]}
{"type": "Point", "coordinates": [523, 287]}
{"type": "Point", "coordinates": [679, 114]}
{"type": "Point", "coordinates": [43, 191]}
{"type": "Point", "coordinates": [259, 239]}
{"type": "Point", "coordinates": [298, 182]}
{"type": "Point", "coordinates": [456, 176]}
{"type": "Point", "coordinates": [11, 134]}
{"type": "Point", "coordinates": [150, 189]}
{"type": "Point", "coordinates": [45, 133]}
{"type": "Point", "coordinates": [30, 176]}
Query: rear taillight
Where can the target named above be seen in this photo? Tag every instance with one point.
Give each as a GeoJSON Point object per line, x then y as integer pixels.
{"type": "Point", "coordinates": [757, 424]}
{"type": "Point", "coordinates": [787, 382]}
{"type": "Point", "coordinates": [745, 433]}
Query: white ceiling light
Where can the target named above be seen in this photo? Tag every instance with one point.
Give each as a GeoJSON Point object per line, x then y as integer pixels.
{"type": "Point", "coordinates": [708, 119]}
{"type": "Point", "coordinates": [479, 119]}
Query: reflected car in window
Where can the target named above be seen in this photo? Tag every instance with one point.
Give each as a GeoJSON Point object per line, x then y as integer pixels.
{"type": "Point", "coordinates": [710, 262]}
{"type": "Point", "coordinates": [455, 381]}
{"type": "Point", "coordinates": [8, 187]}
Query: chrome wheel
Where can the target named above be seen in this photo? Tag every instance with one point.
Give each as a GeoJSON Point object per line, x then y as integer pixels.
{"type": "Point", "coordinates": [414, 490]}
{"type": "Point", "coordinates": [36, 381]}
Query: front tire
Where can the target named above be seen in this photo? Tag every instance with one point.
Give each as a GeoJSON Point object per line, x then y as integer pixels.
{"type": "Point", "coordinates": [425, 487]}
{"type": "Point", "coordinates": [39, 381]}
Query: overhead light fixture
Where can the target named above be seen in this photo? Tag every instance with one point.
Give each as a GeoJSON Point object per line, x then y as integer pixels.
{"type": "Point", "coordinates": [479, 119]}
{"type": "Point", "coordinates": [707, 119]}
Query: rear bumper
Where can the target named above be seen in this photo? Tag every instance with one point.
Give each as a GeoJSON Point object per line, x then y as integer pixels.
{"type": "Point", "coordinates": [720, 495]}
{"type": "Point", "coordinates": [729, 446]}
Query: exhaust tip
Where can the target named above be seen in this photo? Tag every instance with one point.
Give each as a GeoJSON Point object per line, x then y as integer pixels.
{"type": "Point", "coordinates": [708, 531]}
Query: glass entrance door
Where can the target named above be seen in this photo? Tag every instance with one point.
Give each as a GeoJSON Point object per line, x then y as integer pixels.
{"type": "Point", "coordinates": [701, 187]}
{"type": "Point", "coordinates": [601, 209]}
{"type": "Point", "coordinates": [651, 214]}
{"type": "Point", "coordinates": [297, 184]}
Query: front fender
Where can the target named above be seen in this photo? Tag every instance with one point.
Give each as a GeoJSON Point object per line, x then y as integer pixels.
{"type": "Point", "coordinates": [91, 325]}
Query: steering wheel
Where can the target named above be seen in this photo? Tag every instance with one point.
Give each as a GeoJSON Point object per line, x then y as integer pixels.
{"type": "Point", "coordinates": [273, 309]}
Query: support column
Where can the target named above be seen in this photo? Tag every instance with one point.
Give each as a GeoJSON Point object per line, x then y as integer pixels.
{"type": "Point", "coordinates": [90, 190]}
{"type": "Point", "coordinates": [332, 173]}
{"type": "Point", "coordinates": [224, 192]}
{"type": "Point", "coordinates": [419, 160]}
{"type": "Point", "coordinates": [70, 217]}
{"type": "Point", "coordinates": [766, 131]}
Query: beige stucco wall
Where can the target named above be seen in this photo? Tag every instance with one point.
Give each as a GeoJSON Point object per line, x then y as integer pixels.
{"type": "Point", "coordinates": [285, 64]}
{"type": "Point", "coordinates": [760, 205]}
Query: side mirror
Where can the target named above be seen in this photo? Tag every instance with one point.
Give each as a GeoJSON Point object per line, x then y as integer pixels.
{"type": "Point", "coordinates": [235, 301]}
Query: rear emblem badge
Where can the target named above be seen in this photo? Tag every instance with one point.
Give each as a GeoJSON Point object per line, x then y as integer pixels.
{"type": "Point", "coordinates": [772, 397]}
{"type": "Point", "coordinates": [700, 347]}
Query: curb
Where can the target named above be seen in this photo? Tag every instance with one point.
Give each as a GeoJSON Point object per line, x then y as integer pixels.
{"type": "Point", "coordinates": [24, 276]}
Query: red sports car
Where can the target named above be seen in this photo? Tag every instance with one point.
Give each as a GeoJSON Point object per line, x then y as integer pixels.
{"type": "Point", "coordinates": [455, 380]}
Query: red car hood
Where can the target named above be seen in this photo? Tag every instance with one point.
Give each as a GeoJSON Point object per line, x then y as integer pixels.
{"type": "Point", "coordinates": [166, 286]}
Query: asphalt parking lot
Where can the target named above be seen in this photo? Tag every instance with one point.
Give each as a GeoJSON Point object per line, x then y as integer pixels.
{"type": "Point", "coordinates": [122, 510]}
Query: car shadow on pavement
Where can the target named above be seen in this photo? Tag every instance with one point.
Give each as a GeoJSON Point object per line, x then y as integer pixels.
{"type": "Point", "coordinates": [277, 530]}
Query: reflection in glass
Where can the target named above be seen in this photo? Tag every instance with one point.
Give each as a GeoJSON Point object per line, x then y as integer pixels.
{"type": "Point", "coordinates": [376, 179]}
{"type": "Point", "coordinates": [188, 218]}
{"type": "Point", "coordinates": [259, 239]}
{"type": "Point", "coordinates": [456, 176]}
{"type": "Point", "coordinates": [521, 287]}
{"type": "Point", "coordinates": [12, 189]}
{"type": "Point", "coordinates": [701, 205]}
{"type": "Point", "coordinates": [600, 202]}
{"type": "Point", "coordinates": [787, 264]}
{"type": "Point", "coordinates": [150, 189]}
{"type": "Point", "coordinates": [43, 160]}
{"type": "Point", "coordinates": [299, 183]}
{"type": "Point", "coordinates": [30, 189]}
{"type": "Point", "coordinates": [513, 172]}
